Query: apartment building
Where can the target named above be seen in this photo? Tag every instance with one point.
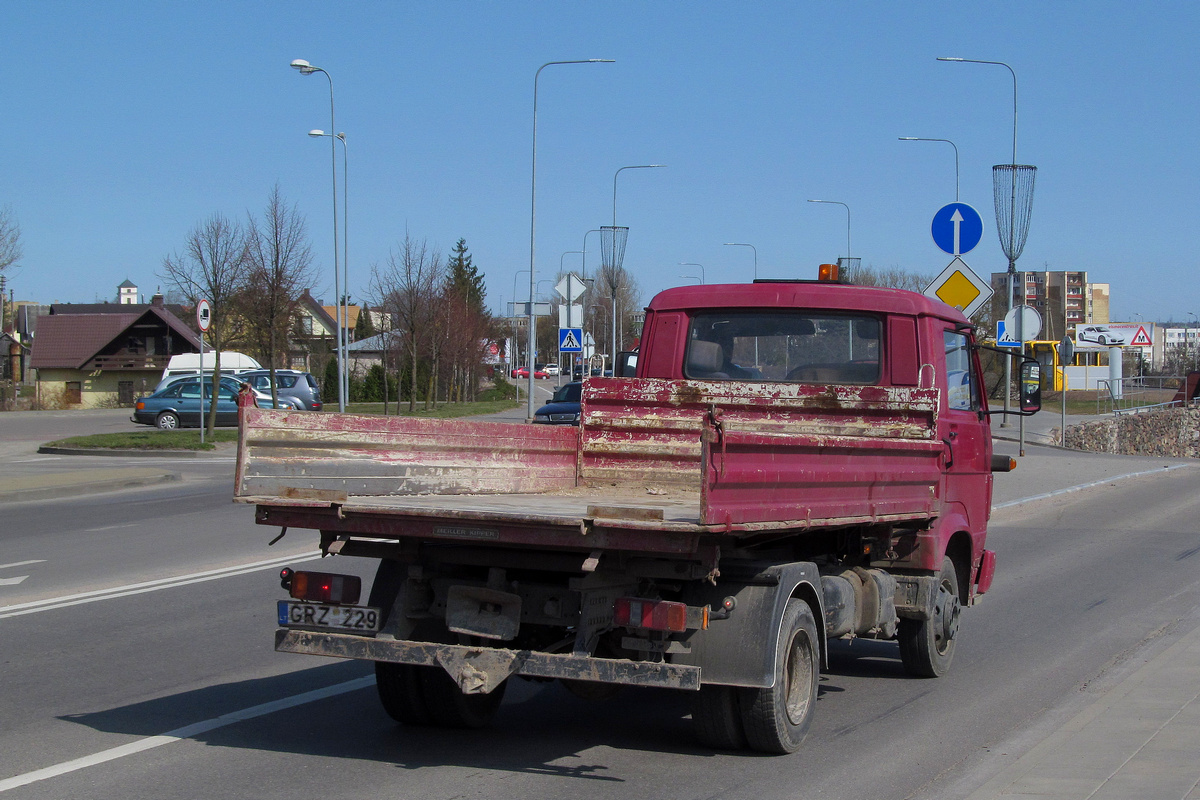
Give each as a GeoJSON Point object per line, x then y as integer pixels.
{"type": "Point", "coordinates": [1065, 299]}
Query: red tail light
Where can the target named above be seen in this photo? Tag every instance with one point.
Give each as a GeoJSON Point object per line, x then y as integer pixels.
{"type": "Point", "coordinates": [656, 615]}
{"type": "Point", "coordinates": [325, 587]}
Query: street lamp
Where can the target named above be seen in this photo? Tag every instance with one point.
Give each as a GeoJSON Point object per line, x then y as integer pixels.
{"type": "Point", "coordinates": [692, 264]}
{"type": "Point", "coordinates": [694, 278]}
{"type": "Point", "coordinates": [343, 332]}
{"type": "Point", "coordinates": [840, 203]}
{"type": "Point", "coordinates": [947, 141]}
{"type": "Point", "coordinates": [1011, 248]}
{"type": "Point", "coordinates": [616, 266]}
{"type": "Point", "coordinates": [306, 68]}
{"type": "Point", "coordinates": [533, 216]}
{"type": "Point", "coordinates": [1188, 361]}
{"type": "Point", "coordinates": [752, 247]}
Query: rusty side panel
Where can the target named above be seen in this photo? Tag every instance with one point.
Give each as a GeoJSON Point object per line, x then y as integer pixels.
{"type": "Point", "coordinates": [766, 452]}
{"type": "Point", "coordinates": [334, 456]}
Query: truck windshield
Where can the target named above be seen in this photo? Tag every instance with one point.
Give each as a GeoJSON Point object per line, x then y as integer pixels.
{"type": "Point", "coordinates": [770, 345]}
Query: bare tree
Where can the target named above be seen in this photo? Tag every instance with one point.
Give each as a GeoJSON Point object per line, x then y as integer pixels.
{"type": "Point", "coordinates": [213, 267]}
{"type": "Point", "coordinates": [405, 289]}
{"type": "Point", "coordinates": [279, 266]}
{"type": "Point", "coordinates": [613, 284]}
{"type": "Point", "coordinates": [10, 240]}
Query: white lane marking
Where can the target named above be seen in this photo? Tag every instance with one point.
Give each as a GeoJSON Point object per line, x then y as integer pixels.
{"type": "Point", "coordinates": [23, 563]}
{"type": "Point", "coordinates": [112, 527]}
{"type": "Point", "coordinates": [12, 581]}
{"type": "Point", "coordinates": [1083, 486]}
{"type": "Point", "coordinates": [150, 586]}
{"type": "Point", "coordinates": [186, 732]}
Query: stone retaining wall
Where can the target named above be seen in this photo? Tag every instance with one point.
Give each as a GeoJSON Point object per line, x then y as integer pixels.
{"type": "Point", "coordinates": [1173, 432]}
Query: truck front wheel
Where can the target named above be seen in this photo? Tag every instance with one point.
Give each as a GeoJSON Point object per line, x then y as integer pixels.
{"type": "Point", "coordinates": [927, 645]}
{"type": "Point", "coordinates": [777, 719]}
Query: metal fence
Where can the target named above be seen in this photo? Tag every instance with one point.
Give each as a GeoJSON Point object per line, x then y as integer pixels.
{"type": "Point", "coordinates": [1133, 395]}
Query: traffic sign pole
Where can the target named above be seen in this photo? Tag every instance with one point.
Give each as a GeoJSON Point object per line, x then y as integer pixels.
{"type": "Point", "coordinates": [203, 321]}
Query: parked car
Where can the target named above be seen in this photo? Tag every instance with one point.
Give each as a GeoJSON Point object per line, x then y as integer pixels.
{"type": "Point", "coordinates": [523, 372]}
{"type": "Point", "coordinates": [264, 400]}
{"type": "Point", "coordinates": [178, 404]}
{"type": "Point", "coordinates": [551, 369]}
{"type": "Point", "coordinates": [563, 407]}
{"type": "Point", "coordinates": [1101, 335]}
{"type": "Point", "coordinates": [298, 389]}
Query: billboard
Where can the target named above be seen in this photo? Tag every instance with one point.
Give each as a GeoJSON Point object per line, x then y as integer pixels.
{"type": "Point", "coordinates": [1096, 336]}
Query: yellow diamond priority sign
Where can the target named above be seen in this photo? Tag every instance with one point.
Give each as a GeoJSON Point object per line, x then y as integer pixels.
{"type": "Point", "coordinates": [959, 287]}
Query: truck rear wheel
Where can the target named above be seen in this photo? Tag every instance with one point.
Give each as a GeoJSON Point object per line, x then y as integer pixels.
{"type": "Point", "coordinates": [717, 718]}
{"type": "Point", "coordinates": [927, 645]}
{"type": "Point", "coordinates": [399, 687]}
{"type": "Point", "coordinates": [777, 719]}
{"type": "Point", "coordinates": [448, 707]}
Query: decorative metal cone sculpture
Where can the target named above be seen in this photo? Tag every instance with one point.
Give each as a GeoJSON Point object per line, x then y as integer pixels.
{"type": "Point", "coordinates": [1012, 188]}
{"type": "Point", "coordinates": [612, 245]}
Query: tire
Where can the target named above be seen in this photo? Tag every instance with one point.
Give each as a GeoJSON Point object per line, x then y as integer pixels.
{"type": "Point", "coordinates": [417, 695]}
{"type": "Point", "coordinates": [449, 708]}
{"type": "Point", "coordinates": [777, 719]}
{"type": "Point", "coordinates": [717, 718]}
{"type": "Point", "coordinates": [399, 687]}
{"type": "Point", "coordinates": [927, 645]}
{"type": "Point", "coordinates": [167, 421]}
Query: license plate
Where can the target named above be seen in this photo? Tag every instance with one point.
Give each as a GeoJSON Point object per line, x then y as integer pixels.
{"type": "Point", "coordinates": [296, 614]}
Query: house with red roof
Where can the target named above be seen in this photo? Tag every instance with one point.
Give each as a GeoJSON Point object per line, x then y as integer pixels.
{"type": "Point", "coordinates": [103, 357]}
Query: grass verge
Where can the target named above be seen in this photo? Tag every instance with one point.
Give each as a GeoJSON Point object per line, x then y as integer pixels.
{"type": "Point", "coordinates": [148, 440]}
{"type": "Point", "coordinates": [443, 411]}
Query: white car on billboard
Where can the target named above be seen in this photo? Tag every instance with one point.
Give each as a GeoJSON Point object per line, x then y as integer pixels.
{"type": "Point", "coordinates": [1101, 335]}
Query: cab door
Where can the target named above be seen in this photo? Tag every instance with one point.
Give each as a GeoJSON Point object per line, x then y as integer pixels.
{"type": "Point", "coordinates": [967, 435]}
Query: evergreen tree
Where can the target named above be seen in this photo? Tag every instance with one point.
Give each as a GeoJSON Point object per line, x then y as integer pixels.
{"type": "Point", "coordinates": [463, 279]}
{"type": "Point", "coordinates": [364, 328]}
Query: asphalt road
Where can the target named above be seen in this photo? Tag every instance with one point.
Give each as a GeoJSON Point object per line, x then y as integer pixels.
{"type": "Point", "coordinates": [136, 662]}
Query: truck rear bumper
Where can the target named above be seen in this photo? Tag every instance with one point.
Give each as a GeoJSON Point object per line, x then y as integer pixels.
{"type": "Point", "coordinates": [479, 670]}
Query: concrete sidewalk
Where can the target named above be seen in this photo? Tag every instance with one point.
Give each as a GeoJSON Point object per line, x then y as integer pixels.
{"type": "Point", "coordinates": [1141, 740]}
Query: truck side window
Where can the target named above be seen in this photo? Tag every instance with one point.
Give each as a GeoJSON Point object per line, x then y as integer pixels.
{"type": "Point", "coordinates": [773, 345]}
{"type": "Point", "coordinates": [962, 387]}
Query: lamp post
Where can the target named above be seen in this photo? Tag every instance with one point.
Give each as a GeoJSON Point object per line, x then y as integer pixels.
{"type": "Point", "coordinates": [752, 247]}
{"type": "Point", "coordinates": [343, 332]}
{"type": "Point", "coordinates": [703, 280]}
{"type": "Point", "coordinates": [306, 68]}
{"type": "Point", "coordinates": [840, 203]}
{"type": "Point", "coordinates": [1188, 361]}
{"type": "Point", "coordinates": [533, 215]}
{"type": "Point", "coordinates": [695, 278]}
{"type": "Point", "coordinates": [616, 266]}
{"type": "Point", "coordinates": [947, 141]}
{"type": "Point", "coordinates": [1011, 249]}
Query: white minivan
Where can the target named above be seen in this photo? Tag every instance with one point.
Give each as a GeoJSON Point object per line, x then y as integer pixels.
{"type": "Point", "coordinates": [189, 364]}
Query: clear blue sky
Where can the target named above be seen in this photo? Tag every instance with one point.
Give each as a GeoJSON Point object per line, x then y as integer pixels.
{"type": "Point", "coordinates": [127, 124]}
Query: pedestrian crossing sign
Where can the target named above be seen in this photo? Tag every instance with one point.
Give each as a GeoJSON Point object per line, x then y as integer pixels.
{"type": "Point", "coordinates": [570, 340]}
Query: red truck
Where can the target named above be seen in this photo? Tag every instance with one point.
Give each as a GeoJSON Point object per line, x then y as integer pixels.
{"type": "Point", "coordinates": [791, 462]}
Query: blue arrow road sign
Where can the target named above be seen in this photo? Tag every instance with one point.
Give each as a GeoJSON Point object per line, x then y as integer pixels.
{"type": "Point", "coordinates": [570, 340]}
{"type": "Point", "coordinates": [957, 228]}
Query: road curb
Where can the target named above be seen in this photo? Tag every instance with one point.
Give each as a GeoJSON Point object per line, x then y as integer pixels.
{"type": "Point", "coordinates": [56, 486]}
{"type": "Point", "coordinates": [102, 451]}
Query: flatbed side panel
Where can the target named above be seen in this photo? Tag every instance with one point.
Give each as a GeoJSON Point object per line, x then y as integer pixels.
{"type": "Point", "coordinates": [773, 451]}
{"type": "Point", "coordinates": [331, 457]}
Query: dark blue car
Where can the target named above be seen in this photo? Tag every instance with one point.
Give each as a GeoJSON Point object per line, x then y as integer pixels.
{"type": "Point", "coordinates": [563, 407]}
{"type": "Point", "coordinates": [178, 405]}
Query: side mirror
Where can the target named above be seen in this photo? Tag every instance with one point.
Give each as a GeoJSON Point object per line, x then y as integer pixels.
{"type": "Point", "coordinates": [1031, 387]}
{"type": "Point", "coordinates": [626, 365]}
